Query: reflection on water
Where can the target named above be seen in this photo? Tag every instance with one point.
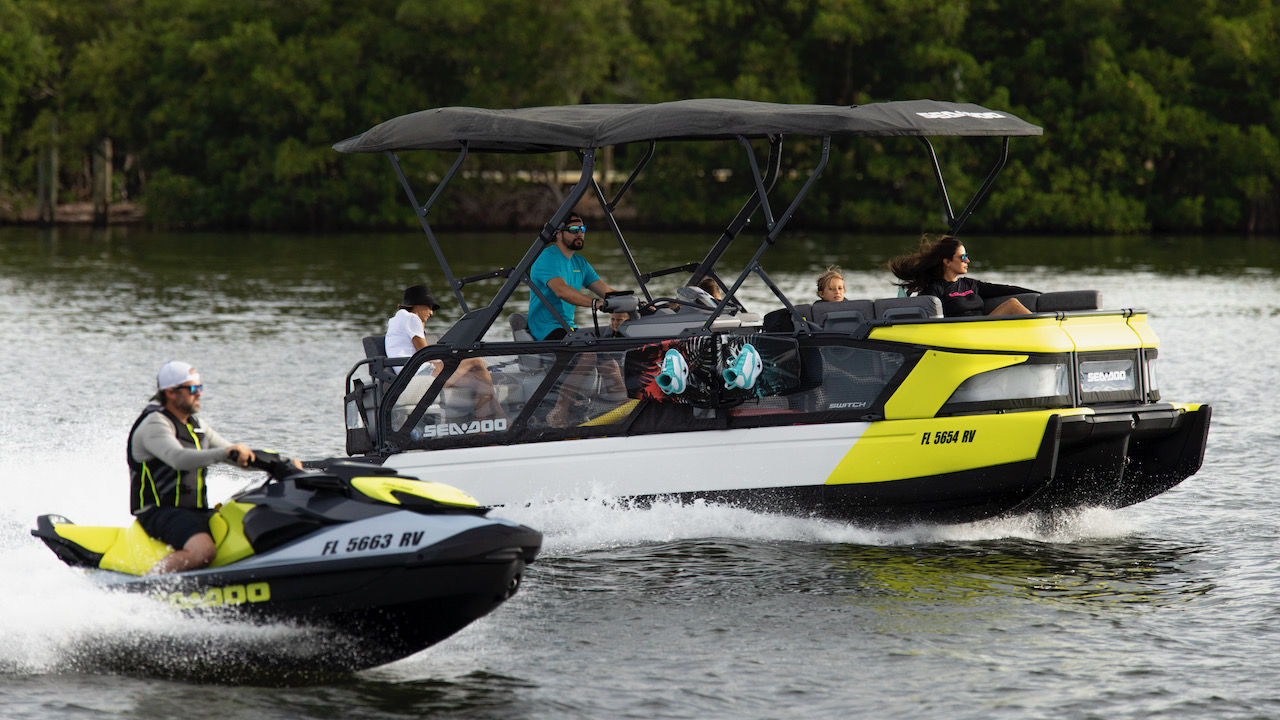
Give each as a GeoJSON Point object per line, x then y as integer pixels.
{"type": "Point", "coordinates": [1113, 572]}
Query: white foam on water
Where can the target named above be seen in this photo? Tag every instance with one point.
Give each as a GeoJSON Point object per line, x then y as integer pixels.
{"type": "Point", "coordinates": [572, 527]}
{"type": "Point", "coordinates": [50, 612]}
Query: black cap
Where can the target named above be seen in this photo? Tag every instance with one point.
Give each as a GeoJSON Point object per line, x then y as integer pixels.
{"type": "Point", "coordinates": [419, 295]}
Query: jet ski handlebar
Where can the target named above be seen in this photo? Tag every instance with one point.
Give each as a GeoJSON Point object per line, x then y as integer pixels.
{"type": "Point", "coordinates": [276, 465]}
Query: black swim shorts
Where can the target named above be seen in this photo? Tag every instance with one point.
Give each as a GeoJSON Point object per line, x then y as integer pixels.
{"type": "Point", "coordinates": [174, 525]}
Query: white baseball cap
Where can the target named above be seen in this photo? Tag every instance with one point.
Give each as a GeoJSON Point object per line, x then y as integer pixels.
{"type": "Point", "coordinates": [174, 373]}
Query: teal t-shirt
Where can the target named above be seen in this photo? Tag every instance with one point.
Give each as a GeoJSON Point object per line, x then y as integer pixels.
{"type": "Point", "coordinates": [552, 263]}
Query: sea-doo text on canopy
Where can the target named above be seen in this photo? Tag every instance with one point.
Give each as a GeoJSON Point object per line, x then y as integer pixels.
{"type": "Point", "coordinates": [385, 564]}
{"type": "Point", "coordinates": [873, 409]}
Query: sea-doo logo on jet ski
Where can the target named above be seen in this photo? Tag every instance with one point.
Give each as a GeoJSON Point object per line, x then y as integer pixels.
{"type": "Point", "coordinates": [221, 596]}
{"type": "Point", "coordinates": [954, 114]}
{"type": "Point", "coordinates": [471, 428]}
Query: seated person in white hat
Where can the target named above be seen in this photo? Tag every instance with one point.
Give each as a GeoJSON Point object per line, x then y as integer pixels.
{"type": "Point", "coordinates": [169, 450]}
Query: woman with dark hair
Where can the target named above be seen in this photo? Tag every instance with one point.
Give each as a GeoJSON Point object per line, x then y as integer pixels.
{"type": "Point", "coordinates": [938, 269]}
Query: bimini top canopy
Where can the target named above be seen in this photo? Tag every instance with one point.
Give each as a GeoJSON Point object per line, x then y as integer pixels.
{"type": "Point", "coordinates": [575, 127]}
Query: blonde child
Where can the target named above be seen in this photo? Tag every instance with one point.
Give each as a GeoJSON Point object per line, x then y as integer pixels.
{"type": "Point", "coordinates": [831, 285]}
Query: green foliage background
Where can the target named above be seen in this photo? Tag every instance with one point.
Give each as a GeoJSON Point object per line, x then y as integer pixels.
{"type": "Point", "coordinates": [1158, 116]}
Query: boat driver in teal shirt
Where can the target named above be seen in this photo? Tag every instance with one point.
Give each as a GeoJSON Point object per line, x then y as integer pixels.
{"type": "Point", "coordinates": [561, 273]}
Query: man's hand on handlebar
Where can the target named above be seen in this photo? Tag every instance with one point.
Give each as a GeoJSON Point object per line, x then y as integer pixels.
{"type": "Point", "coordinates": [240, 454]}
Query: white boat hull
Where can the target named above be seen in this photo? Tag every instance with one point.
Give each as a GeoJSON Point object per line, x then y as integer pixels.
{"type": "Point", "coordinates": [645, 465]}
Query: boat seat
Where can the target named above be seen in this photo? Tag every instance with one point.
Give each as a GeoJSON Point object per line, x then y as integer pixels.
{"type": "Point", "coordinates": [1062, 300]}
{"type": "Point", "coordinates": [520, 328]}
{"type": "Point", "coordinates": [375, 346]}
{"type": "Point", "coordinates": [780, 320]}
{"type": "Point", "coordinates": [844, 315]}
{"type": "Point", "coordinates": [1029, 301]}
{"type": "Point", "coordinates": [1069, 300]}
{"type": "Point", "coordinates": [904, 308]}
{"type": "Point", "coordinates": [375, 350]}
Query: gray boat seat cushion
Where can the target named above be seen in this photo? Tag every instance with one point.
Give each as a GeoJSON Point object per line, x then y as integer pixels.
{"type": "Point", "coordinates": [375, 346]}
{"type": "Point", "coordinates": [520, 328]}
{"type": "Point", "coordinates": [1061, 300]}
{"type": "Point", "coordinates": [1069, 300]}
{"type": "Point", "coordinates": [918, 306]}
{"type": "Point", "coordinates": [780, 320]}
{"type": "Point", "coordinates": [843, 316]}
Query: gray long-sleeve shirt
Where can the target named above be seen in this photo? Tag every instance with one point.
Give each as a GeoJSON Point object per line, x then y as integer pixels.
{"type": "Point", "coordinates": [155, 438]}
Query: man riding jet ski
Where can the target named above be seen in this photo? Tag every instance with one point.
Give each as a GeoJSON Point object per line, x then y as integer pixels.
{"type": "Point", "coordinates": [390, 563]}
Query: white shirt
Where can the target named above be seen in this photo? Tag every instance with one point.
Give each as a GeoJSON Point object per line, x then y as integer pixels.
{"type": "Point", "coordinates": [401, 329]}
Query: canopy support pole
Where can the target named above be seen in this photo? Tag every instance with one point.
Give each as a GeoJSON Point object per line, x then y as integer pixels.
{"type": "Point", "coordinates": [774, 229]}
{"type": "Point", "coordinates": [422, 210]}
{"type": "Point", "coordinates": [471, 327]}
{"type": "Point", "coordinates": [955, 222]}
{"type": "Point", "coordinates": [740, 220]}
{"type": "Point", "coordinates": [608, 208]}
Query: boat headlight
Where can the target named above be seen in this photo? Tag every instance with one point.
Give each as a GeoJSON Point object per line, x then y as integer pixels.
{"type": "Point", "coordinates": [1032, 384]}
{"type": "Point", "coordinates": [1153, 383]}
{"type": "Point", "coordinates": [1108, 377]}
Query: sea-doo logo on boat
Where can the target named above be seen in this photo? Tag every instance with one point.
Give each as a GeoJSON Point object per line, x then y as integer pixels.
{"type": "Point", "coordinates": [471, 428]}
{"type": "Point", "coordinates": [1110, 376]}
{"type": "Point", "coordinates": [954, 114]}
{"type": "Point", "coordinates": [228, 595]}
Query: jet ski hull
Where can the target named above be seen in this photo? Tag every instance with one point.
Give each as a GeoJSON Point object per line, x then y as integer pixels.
{"type": "Point", "coordinates": [379, 580]}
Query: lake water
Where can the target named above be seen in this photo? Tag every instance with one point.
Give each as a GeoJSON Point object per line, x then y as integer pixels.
{"type": "Point", "coordinates": [1166, 609]}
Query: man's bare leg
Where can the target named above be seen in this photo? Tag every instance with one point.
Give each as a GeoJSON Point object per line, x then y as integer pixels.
{"type": "Point", "coordinates": [197, 553]}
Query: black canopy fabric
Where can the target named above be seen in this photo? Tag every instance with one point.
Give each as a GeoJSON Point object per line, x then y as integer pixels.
{"type": "Point", "coordinates": [573, 127]}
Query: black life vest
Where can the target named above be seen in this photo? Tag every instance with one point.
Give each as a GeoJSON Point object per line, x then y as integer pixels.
{"type": "Point", "coordinates": [155, 484]}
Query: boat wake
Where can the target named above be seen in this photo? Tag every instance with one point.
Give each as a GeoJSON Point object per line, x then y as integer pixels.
{"type": "Point", "coordinates": [572, 527]}
{"type": "Point", "coordinates": [55, 619]}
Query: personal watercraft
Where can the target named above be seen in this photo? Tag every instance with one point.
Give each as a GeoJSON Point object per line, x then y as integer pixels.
{"type": "Point", "coordinates": [387, 564]}
{"type": "Point", "coordinates": [873, 410]}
